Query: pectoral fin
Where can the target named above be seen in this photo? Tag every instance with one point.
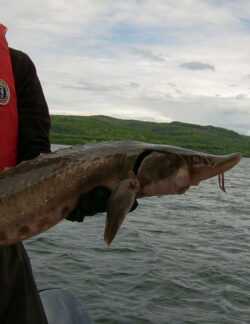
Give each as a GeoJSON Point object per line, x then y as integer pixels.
{"type": "Point", "coordinates": [120, 203]}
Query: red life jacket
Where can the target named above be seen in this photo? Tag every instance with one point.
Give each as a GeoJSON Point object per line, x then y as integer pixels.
{"type": "Point", "coordinates": [8, 106]}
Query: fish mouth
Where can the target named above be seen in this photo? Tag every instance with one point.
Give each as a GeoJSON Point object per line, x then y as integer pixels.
{"type": "Point", "coordinates": [182, 190]}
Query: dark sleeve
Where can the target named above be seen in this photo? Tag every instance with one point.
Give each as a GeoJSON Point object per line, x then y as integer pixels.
{"type": "Point", "coordinates": [33, 114]}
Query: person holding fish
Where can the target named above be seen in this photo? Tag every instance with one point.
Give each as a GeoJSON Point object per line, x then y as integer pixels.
{"type": "Point", "coordinates": [147, 170]}
{"type": "Point", "coordinates": [24, 134]}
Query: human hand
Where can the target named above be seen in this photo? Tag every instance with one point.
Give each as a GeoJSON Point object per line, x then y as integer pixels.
{"type": "Point", "coordinates": [92, 203]}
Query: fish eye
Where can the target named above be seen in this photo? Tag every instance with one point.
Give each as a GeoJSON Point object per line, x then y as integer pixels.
{"type": "Point", "coordinates": [208, 161]}
{"type": "Point", "coordinates": [195, 159]}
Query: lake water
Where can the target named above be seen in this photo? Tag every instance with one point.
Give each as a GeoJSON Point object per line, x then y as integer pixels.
{"type": "Point", "coordinates": [177, 259]}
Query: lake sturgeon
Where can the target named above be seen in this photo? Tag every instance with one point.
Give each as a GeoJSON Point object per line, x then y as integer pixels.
{"type": "Point", "coordinates": [37, 194]}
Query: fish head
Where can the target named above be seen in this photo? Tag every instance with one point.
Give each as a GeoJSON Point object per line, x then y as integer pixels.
{"type": "Point", "coordinates": [172, 170]}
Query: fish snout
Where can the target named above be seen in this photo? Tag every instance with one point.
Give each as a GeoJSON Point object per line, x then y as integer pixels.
{"type": "Point", "coordinates": [224, 163]}
{"type": "Point", "coordinates": [210, 166]}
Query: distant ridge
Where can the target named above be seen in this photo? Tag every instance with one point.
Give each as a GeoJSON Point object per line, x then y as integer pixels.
{"type": "Point", "coordinates": [82, 129]}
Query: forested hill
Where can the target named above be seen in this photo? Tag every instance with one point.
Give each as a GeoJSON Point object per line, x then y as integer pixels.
{"type": "Point", "coordinates": [210, 139]}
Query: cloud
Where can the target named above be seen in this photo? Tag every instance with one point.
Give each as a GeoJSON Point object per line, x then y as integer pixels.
{"type": "Point", "coordinates": [128, 58]}
{"type": "Point", "coordinates": [134, 85]}
{"type": "Point", "coordinates": [97, 87]}
{"type": "Point", "coordinates": [146, 53]}
{"type": "Point", "coordinates": [194, 65]}
{"type": "Point", "coordinates": [241, 96]}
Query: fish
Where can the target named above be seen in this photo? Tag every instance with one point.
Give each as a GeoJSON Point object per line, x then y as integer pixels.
{"type": "Point", "coordinates": [37, 194]}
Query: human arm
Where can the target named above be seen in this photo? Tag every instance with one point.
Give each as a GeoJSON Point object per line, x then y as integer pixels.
{"type": "Point", "coordinates": [34, 126]}
{"type": "Point", "coordinates": [33, 114]}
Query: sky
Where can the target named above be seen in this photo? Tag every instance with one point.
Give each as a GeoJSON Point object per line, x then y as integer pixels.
{"type": "Point", "coordinates": [154, 60]}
